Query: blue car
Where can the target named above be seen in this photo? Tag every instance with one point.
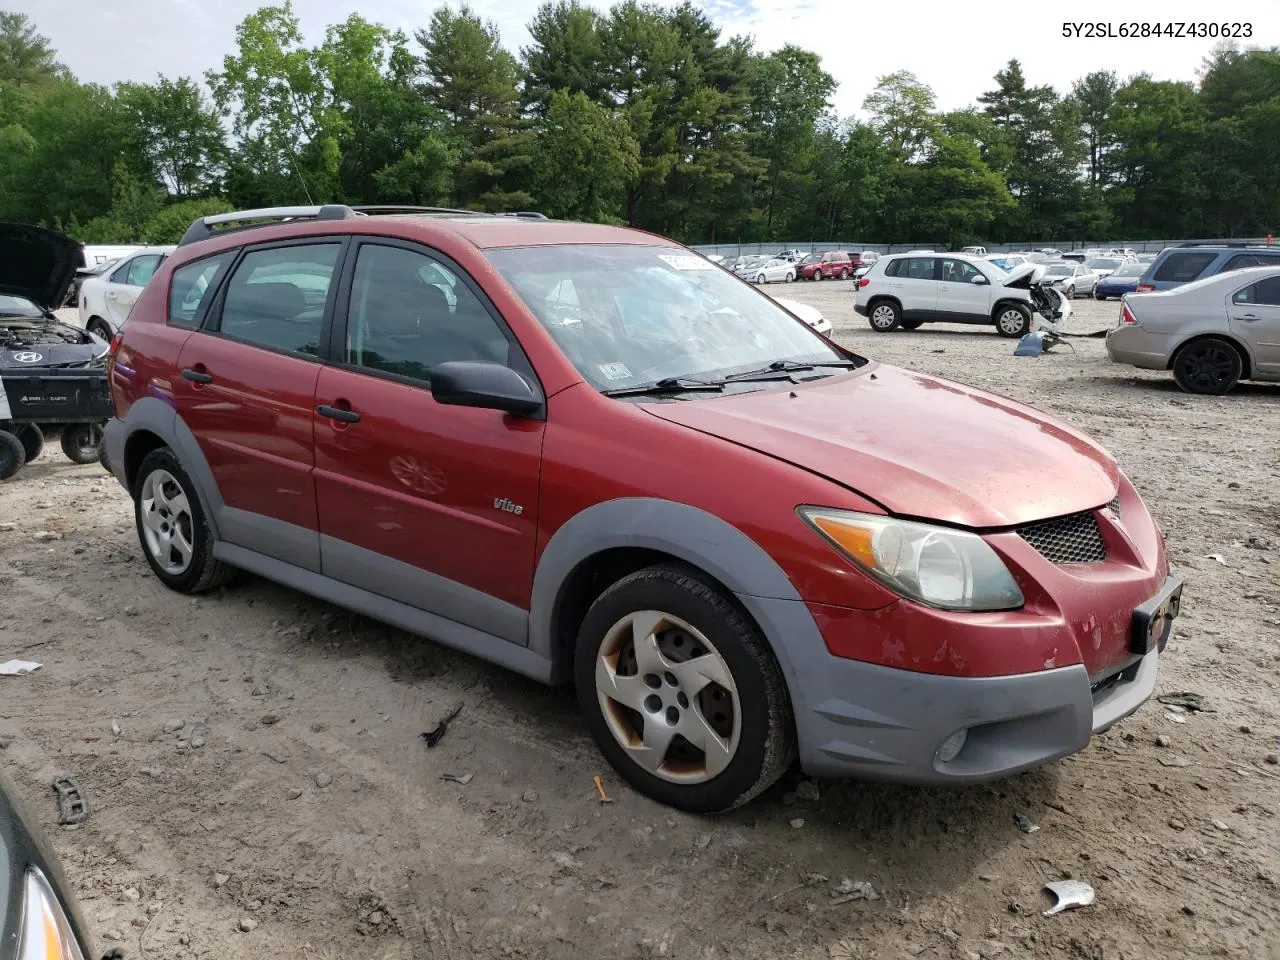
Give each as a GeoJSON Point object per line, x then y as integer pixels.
{"type": "Point", "coordinates": [1195, 261]}
{"type": "Point", "coordinates": [1122, 281]}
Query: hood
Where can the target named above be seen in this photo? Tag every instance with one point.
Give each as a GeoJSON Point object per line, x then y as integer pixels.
{"type": "Point", "coordinates": [919, 446]}
{"type": "Point", "coordinates": [38, 264]}
{"type": "Point", "coordinates": [1024, 275]}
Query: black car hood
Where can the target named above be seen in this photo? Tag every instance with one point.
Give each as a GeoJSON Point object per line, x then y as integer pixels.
{"type": "Point", "coordinates": [29, 343]}
{"type": "Point", "coordinates": [38, 264]}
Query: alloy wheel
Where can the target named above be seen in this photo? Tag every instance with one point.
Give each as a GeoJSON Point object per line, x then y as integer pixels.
{"type": "Point", "coordinates": [882, 316]}
{"type": "Point", "coordinates": [1011, 321]}
{"type": "Point", "coordinates": [1208, 367]}
{"type": "Point", "coordinates": [668, 697]}
{"type": "Point", "coordinates": [167, 526]}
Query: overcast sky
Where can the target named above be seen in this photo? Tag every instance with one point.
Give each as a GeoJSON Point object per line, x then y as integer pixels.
{"type": "Point", "coordinates": [955, 47]}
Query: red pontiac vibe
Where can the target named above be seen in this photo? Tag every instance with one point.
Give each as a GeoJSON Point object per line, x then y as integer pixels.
{"type": "Point", "coordinates": [587, 454]}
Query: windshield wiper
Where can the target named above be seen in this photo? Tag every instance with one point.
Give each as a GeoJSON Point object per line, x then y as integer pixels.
{"type": "Point", "coordinates": [665, 385]}
{"type": "Point", "coordinates": [789, 367]}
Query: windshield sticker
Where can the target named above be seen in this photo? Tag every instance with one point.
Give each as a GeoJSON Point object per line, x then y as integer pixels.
{"type": "Point", "coordinates": [686, 261]}
{"type": "Point", "coordinates": [614, 371]}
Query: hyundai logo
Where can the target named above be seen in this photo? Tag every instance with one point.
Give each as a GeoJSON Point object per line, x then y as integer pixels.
{"type": "Point", "coordinates": [27, 356]}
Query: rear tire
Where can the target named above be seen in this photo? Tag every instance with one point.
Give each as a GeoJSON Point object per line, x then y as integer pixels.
{"type": "Point", "coordinates": [844, 274]}
{"type": "Point", "coordinates": [32, 439]}
{"type": "Point", "coordinates": [82, 442]}
{"type": "Point", "coordinates": [165, 505]}
{"type": "Point", "coordinates": [12, 455]}
{"type": "Point", "coordinates": [633, 644]}
{"type": "Point", "coordinates": [884, 316]}
{"type": "Point", "coordinates": [1210, 367]}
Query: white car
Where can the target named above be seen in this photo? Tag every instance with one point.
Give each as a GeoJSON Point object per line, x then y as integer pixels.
{"type": "Point", "coordinates": [1106, 266]}
{"type": "Point", "coordinates": [974, 251]}
{"type": "Point", "coordinates": [1073, 279]}
{"type": "Point", "coordinates": [905, 290]}
{"type": "Point", "coordinates": [810, 315]}
{"type": "Point", "coordinates": [106, 299]}
{"type": "Point", "coordinates": [770, 271]}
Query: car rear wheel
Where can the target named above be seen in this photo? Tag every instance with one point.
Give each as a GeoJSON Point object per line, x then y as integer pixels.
{"type": "Point", "coordinates": [82, 442]}
{"type": "Point", "coordinates": [172, 528]}
{"type": "Point", "coordinates": [98, 327]}
{"type": "Point", "coordinates": [790, 276]}
{"type": "Point", "coordinates": [844, 274]}
{"type": "Point", "coordinates": [1013, 320]}
{"type": "Point", "coordinates": [12, 455]}
{"type": "Point", "coordinates": [681, 693]}
{"type": "Point", "coordinates": [32, 439]}
{"type": "Point", "coordinates": [885, 316]}
{"type": "Point", "coordinates": [1211, 366]}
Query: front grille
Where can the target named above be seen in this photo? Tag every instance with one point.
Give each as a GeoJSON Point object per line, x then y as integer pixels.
{"type": "Point", "coordinates": [1073, 539]}
{"type": "Point", "coordinates": [1114, 506]}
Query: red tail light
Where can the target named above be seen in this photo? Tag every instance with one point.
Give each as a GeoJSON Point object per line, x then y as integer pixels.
{"type": "Point", "coordinates": [1145, 288]}
{"type": "Point", "coordinates": [863, 281]}
{"type": "Point", "coordinates": [1126, 315]}
{"type": "Point", "coordinates": [115, 343]}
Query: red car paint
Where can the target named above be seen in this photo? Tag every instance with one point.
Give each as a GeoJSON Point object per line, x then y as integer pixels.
{"type": "Point", "coordinates": [415, 479]}
{"type": "Point", "coordinates": [835, 265]}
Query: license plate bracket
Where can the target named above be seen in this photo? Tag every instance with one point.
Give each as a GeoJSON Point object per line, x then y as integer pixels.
{"type": "Point", "coordinates": [1152, 620]}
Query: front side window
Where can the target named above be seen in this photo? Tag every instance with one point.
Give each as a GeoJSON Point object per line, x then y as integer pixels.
{"type": "Point", "coordinates": [640, 314]}
{"type": "Point", "coordinates": [276, 297]}
{"type": "Point", "coordinates": [958, 271]}
{"type": "Point", "coordinates": [190, 290]}
{"type": "Point", "coordinates": [409, 312]}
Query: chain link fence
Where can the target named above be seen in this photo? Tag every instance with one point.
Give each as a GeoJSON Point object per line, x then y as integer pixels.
{"type": "Point", "coordinates": [813, 246]}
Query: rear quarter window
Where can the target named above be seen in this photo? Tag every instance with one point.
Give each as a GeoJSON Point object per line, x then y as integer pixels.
{"type": "Point", "coordinates": [191, 289]}
{"type": "Point", "coordinates": [1183, 267]}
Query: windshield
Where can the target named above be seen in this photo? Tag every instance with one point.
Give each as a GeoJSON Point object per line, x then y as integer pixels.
{"type": "Point", "coordinates": [1131, 270]}
{"type": "Point", "coordinates": [1004, 264]}
{"type": "Point", "coordinates": [811, 258]}
{"type": "Point", "coordinates": [627, 315]}
{"type": "Point", "coordinates": [1103, 263]}
{"type": "Point", "coordinates": [1059, 270]}
{"type": "Point", "coordinates": [18, 307]}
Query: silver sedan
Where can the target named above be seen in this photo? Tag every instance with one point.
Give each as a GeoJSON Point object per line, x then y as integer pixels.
{"type": "Point", "coordinates": [1212, 333]}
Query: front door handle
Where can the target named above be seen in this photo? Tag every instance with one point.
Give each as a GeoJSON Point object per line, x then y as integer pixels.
{"type": "Point", "coordinates": [336, 413]}
{"type": "Point", "coordinates": [197, 376]}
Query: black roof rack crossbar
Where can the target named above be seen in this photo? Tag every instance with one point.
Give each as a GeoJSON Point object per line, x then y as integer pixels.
{"type": "Point", "coordinates": [1230, 244]}
{"type": "Point", "coordinates": [383, 208]}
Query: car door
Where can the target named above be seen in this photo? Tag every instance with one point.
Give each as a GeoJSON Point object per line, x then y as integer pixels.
{"type": "Point", "coordinates": [964, 292]}
{"type": "Point", "coordinates": [915, 287]}
{"type": "Point", "coordinates": [125, 284]}
{"type": "Point", "coordinates": [247, 392]}
{"type": "Point", "coordinates": [432, 505]}
{"type": "Point", "coordinates": [1254, 315]}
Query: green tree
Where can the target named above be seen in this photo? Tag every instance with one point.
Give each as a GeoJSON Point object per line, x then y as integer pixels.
{"type": "Point", "coordinates": [1093, 95]}
{"type": "Point", "coordinates": [567, 54]}
{"type": "Point", "coordinates": [172, 126]}
{"type": "Point", "coordinates": [901, 109]}
{"type": "Point", "coordinates": [25, 55]}
{"type": "Point", "coordinates": [584, 158]}
{"type": "Point", "coordinates": [168, 225]}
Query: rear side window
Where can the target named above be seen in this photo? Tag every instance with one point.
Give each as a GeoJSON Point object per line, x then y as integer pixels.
{"type": "Point", "coordinates": [191, 290]}
{"type": "Point", "coordinates": [918, 268]}
{"type": "Point", "coordinates": [1264, 293]}
{"type": "Point", "coordinates": [893, 268]}
{"type": "Point", "coordinates": [276, 297]}
{"type": "Point", "coordinates": [1241, 261]}
{"type": "Point", "coordinates": [1184, 267]}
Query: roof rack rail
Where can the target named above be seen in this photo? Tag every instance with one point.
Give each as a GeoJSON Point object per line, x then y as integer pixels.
{"type": "Point", "coordinates": [220, 223]}
{"type": "Point", "coordinates": [205, 226]}
{"type": "Point", "coordinates": [1230, 244]}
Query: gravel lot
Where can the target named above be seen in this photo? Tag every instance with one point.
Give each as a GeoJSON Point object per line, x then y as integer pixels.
{"type": "Point", "coordinates": [296, 812]}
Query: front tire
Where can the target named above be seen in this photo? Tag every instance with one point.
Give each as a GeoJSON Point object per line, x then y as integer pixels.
{"type": "Point", "coordinates": [32, 439]}
{"type": "Point", "coordinates": [789, 277]}
{"type": "Point", "coordinates": [12, 455]}
{"type": "Point", "coordinates": [1013, 320]}
{"type": "Point", "coordinates": [681, 692]}
{"type": "Point", "coordinates": [1210, 367]}
{"type": "Point", "coordinates": [175, 534]}
{"type": "Point", "coordinates": [760, 278]}
{"type": "Point", "coordinates": [99, 328]}
{"type": "Point", "coordinates": [817, 275]}
{"type": "Point", "coordinates": [82, 442]}
{"type": "Point", "coordinates": [885, 316]}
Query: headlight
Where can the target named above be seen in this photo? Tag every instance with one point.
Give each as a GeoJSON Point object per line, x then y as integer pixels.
{"type": "Point", "coordinates": [46, 931]}
{"type": "Point", "coordinates": [938, 566]}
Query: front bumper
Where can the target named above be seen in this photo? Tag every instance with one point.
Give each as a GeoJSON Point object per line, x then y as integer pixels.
{"type": "Point", "coordinates": [882, 723]}
{"type": "Point", "coordinates": [1137, 347]}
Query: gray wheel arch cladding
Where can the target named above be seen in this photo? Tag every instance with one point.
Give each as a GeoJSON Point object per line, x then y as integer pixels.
{"type": "Point", "coordinates": [155, 416]}
{"type": "Point", "coordinates": [697, 538]}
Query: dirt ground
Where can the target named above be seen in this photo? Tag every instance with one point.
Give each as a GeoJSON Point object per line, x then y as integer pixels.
{"type": "Point", "coordinates": [298, 801]}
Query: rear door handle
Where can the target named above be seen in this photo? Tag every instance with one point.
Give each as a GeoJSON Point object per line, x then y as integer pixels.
{"type": "Point", "coordinates": [336, 413]}
{"type": "Point", "coordinates": [1249, 316]}
{"type": "Point", "coordinates": [196, 376]}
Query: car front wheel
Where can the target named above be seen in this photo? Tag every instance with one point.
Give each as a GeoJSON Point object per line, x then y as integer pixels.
{"type": "Point", "coordinates": [172, 528]}
{"type": "Point", "coordinates": [1013, 320]}
{"type": "Point", "coordinates": [98, 327]}
{"type": "Point", "coordinates": [1211, 366]}
{"type": "Point", "coordinates": [681, 692]}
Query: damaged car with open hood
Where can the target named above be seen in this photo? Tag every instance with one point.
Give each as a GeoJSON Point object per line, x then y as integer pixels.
{"type": "Point", "coordinates": [52, 374]}
{"type": "Point", "coordinates": [905, 290]}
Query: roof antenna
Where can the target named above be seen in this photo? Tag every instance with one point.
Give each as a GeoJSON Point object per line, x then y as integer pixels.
{"type": "Point", "coordinates": [300, 179]}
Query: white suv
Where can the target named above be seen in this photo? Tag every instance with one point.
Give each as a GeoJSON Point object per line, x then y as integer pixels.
{"type": "Point", "coordinates": [908, 289]}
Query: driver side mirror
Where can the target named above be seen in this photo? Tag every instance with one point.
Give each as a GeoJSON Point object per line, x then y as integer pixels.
{"type": "Point", "coordinates": [491, 386]}
{"type": "Point", "coordinates": [980, 279]}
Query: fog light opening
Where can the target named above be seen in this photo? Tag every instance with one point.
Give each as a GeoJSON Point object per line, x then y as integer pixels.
{"type": "Point", "coordinates": [952, 746]}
